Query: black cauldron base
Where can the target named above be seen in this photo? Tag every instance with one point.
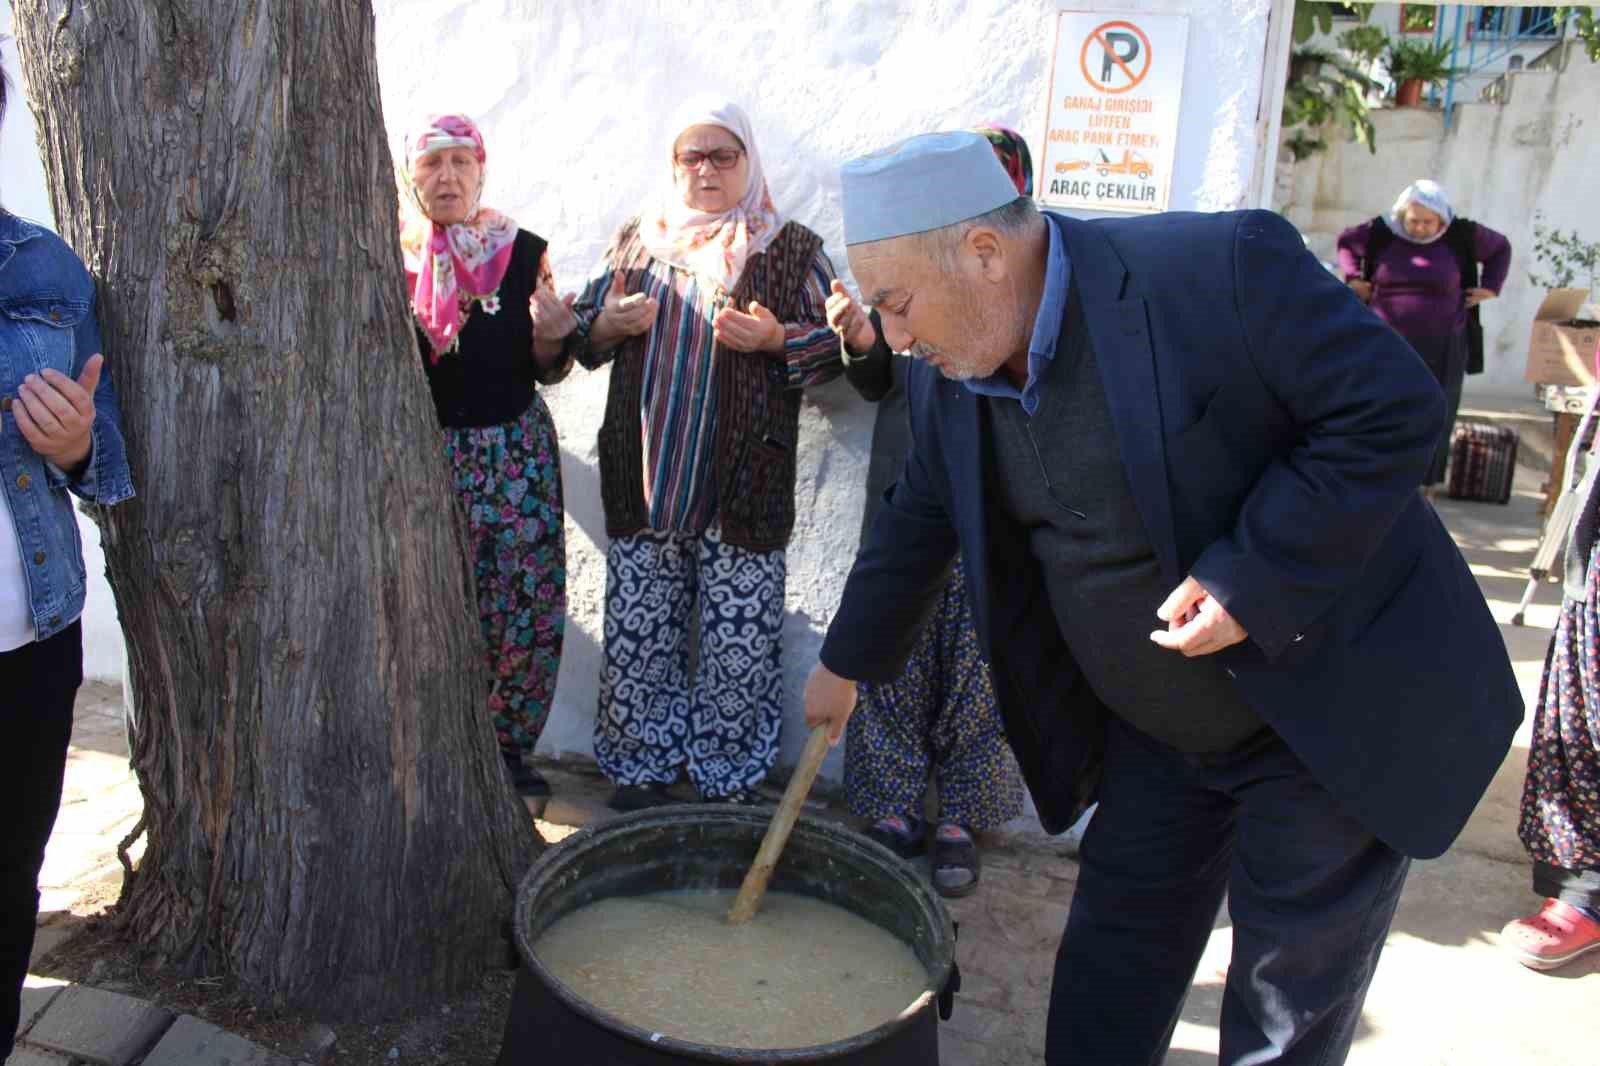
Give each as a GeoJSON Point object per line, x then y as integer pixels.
{"type": "Point", "coordinates": [710, 847]}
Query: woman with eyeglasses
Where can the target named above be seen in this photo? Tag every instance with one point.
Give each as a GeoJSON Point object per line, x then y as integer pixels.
{"type": "Point", "coordinates": [710, 310]}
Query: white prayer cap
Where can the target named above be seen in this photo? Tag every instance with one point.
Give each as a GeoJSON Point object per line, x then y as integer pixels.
{"type": "Point", "coordinates": [923, 183]}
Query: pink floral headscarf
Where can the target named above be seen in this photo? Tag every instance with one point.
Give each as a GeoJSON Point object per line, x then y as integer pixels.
{"type": "Point", "coordinates": [449, 267]}
{"type": "Point", "coordinates": [713, 246]}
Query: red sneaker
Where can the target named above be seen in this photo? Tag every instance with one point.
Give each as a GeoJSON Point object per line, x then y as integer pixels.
{"type": "Point", "coordinates": [1554, 937]}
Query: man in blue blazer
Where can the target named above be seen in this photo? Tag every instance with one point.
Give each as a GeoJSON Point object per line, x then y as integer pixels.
{"type": "Point", "coordinates": [1181, 462]}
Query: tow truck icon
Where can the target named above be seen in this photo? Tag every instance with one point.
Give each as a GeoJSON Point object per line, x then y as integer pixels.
{"type": "Point", "coordinates": [1131, 163]}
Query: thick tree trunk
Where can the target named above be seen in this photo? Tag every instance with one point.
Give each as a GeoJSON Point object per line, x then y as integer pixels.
{"type": "Point", "coordinates": [328, 819]}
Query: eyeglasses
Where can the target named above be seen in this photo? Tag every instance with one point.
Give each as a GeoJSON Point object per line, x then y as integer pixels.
{"type": "Point", "coordinates": [1044, 471]}
{"type": "Point", "coordinates": [721, 158]}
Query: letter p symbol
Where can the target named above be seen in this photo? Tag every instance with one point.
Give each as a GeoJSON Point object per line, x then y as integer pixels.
{"type": "Point", "coordinates": [1119, 45]}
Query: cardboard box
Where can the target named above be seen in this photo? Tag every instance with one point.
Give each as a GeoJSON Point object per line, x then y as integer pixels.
{"type": "Point", "coordinates": [1559, 352]}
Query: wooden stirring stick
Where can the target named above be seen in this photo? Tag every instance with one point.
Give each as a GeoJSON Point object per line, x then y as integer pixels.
{"type": "Point", "coordinates": [794, 797]}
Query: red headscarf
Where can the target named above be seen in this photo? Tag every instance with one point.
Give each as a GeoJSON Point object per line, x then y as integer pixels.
{"type": "Point", "coordinates": [1012, 151]}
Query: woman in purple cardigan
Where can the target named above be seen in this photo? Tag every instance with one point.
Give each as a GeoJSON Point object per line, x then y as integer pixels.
{"type": "Point", "coordinates": [1411, 268]}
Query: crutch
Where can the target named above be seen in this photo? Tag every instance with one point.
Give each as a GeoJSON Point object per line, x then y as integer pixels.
{"type": "Point", "coordinates": [1553, 538]}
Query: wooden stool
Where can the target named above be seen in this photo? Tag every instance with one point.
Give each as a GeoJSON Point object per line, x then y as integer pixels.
{"type": "Point", "coordinates": [1566, 427]}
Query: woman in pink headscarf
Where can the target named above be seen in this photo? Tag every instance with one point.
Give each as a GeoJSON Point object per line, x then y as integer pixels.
{"type": "Point", "coordinates": [710, 312]}
{"type": "Point", "coordinates": [491, 329]}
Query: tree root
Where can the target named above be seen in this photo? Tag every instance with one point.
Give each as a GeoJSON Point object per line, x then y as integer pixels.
{"type": "Point", "coordinates": [128, 872]}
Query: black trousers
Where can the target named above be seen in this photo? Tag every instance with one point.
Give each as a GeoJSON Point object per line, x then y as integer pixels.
{"type": "Point", "coordinates": [38, 685]}
{"type": "Point", "coordinates": [1579, 888]}
{"type": "Point", "coordinates": [1310, 891]}
{"type": "Point", "coordinates": [1446, 357]}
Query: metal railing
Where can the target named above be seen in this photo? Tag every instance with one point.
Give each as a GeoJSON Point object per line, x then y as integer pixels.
{"type": "Point", "coordinates": [1484, 36]}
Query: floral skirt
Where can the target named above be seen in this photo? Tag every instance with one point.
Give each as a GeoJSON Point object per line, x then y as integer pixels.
{"type": "Point", "coordinates": [1560, 823]}
{"type": "Point", "coordinates": [508, 478]}
{"type": "Point", "coordinates": [938, 719]}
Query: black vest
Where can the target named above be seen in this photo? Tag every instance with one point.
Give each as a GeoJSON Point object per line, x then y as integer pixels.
{"type": "Point", "coordinates": [489, 377]}
{"type": "Point", "coordinates": [1060, 476]}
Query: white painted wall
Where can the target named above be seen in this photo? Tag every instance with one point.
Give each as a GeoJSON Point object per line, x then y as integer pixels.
{"type": "Point", "coordinates": [1500, 162]}
{"type": "Point", "coordinates": [574, 111]}
{"type": "Point", "coordinates": [574, 101]}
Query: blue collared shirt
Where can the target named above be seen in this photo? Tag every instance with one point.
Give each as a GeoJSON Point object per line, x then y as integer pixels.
{"type": "Point", "coordinates": [1046, 328]}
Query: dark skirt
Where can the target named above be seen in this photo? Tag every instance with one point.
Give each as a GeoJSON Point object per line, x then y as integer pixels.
{"type": "Point", "coordinates": [1446, 358]}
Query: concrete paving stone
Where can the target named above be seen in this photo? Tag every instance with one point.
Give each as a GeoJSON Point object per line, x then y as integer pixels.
{"type": "Point", "coordinates": [1018, 922]}
{"type": "Point", "coordinates": [979, 1022]}
{"type": "Point", "coordinates": [125, 808]}
{"type": "Point", "coordinates": [1036, 885]}
{"type": "Point", "coordinates": [79, 818]}
{"type": "Point", "coordinates": [976, 1036]}
{"type": "Point", "coordinates": [978, 993]}
{"type": "Point", "coordinates": [998, 978]}
{"type": "Point", "coordinates": [35, 998]}
{"type": "Point", "coordinates": [107, 871]}
{"type": "Point", "coordinates": [96, 770]}
{"type": "Point", "coordinates": [93, 726]}
{"type": "Point", "coordinates": [111, 813]}
{"type": "Point", "coordinates": [104, 1028]}
{"type": "Point", "coordinates": [68, 860]}
{"type": "Point", "coordinates": [192, 1042]}
{"type": "Point", "coordinates": [32, 1056]}
{"type": "Point", "coordinates": [53, 899]}
{"type": "Point", "coordinates": [956, 1049]}
{"type": "Point", "coordinates": [91, 709]}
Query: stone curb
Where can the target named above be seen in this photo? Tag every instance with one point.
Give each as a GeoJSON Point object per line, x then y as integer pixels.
{"type": "Point", "coordinates": [192, 1042]}
{"type": "Point", "coordinates": [103, 1028]}
{"type": "Point", "coordinates": [34, 1002]}
{"type": "Point", "coordinates": [27, 1056]}
{"type": "Point", "coordinates": [76, 1025]}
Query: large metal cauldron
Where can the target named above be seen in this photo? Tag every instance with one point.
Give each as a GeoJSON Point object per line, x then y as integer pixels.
{"type": "Point", "coordinates": [711, 847]}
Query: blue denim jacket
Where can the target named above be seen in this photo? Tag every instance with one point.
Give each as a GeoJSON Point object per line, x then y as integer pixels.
{"type": "Point", "coordinates": [47, 319]}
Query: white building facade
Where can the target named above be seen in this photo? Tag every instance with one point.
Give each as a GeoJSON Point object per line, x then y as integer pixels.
{"type": "Point", "coordinates": [575, 100]}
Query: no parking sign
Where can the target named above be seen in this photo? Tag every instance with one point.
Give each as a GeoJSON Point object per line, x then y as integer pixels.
{"type": "Point", "coordinates": [1116, 85]}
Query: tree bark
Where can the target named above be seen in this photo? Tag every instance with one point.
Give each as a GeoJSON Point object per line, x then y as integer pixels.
{"type": "Point", "coordinates": [329, 822]}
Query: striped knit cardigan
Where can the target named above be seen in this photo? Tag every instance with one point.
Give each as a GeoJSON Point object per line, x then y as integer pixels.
{"type": "Point", "coordinates": [758, 413]}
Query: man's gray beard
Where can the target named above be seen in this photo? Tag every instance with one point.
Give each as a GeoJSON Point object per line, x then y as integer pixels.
{"type": "Point", "coordinates": [985, 332]}
{"type": "Point", "coordinates": [952, 367]}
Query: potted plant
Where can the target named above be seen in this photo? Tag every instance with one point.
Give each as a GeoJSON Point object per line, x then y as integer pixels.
{"type": "Point", "coordinates": [1415, 66]}
{"type": "Point", "coordinates": [1566, 327]}
{"type": "Point", "coordinates": [1365, 44]}
{"type": "Point", "coordinates": [1564, 260]}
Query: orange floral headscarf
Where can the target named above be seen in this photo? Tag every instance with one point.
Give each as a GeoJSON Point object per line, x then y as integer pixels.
{"type": "Point", "coordinates": [715, 246]}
